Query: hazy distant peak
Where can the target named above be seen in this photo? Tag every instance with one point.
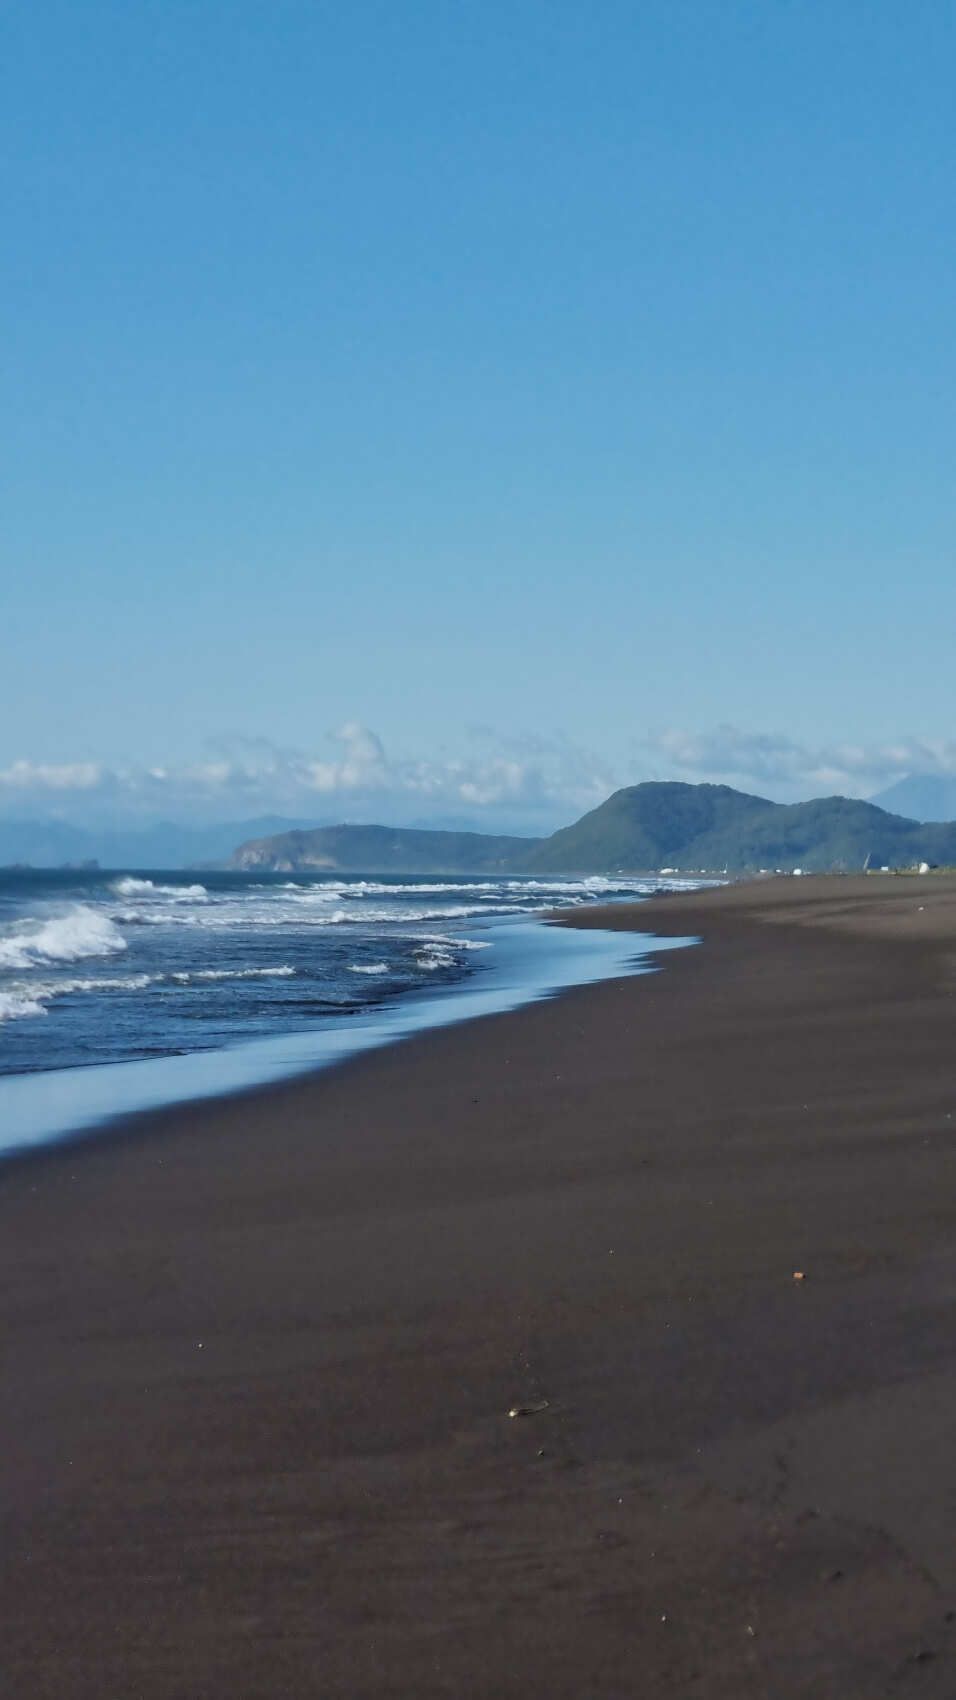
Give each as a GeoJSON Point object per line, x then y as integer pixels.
{"type": "Point", "coordinates": [921, 797]}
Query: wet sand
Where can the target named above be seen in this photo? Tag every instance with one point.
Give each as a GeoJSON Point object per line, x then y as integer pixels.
{"type": "Point", "coordinates": [260, 1354]}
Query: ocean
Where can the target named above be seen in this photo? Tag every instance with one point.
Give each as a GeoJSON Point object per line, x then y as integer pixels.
{"type": "Point", "coordinates": [257, 974]}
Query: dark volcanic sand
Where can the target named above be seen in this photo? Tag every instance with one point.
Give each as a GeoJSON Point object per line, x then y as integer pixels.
{"type": "Point", "coordinates": [260, 1354]}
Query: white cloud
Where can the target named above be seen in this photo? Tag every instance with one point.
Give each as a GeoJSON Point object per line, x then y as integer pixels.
{"type": "Point", "coordinates": [758, 758]}
{"type": "Point", "coordinates": [361, 766]}
{"type": "Point", "coordinates": [493, 781]}
{"type": "Point", "coordinates": [540, 781]}
{"type": "Point", "coordinates": [39, 776]}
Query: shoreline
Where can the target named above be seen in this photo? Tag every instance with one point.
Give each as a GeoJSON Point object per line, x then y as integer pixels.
{"type": "Point", "coordinates": [70, 1106]}
{"type": "Point", "coordinates": [258, 1438]}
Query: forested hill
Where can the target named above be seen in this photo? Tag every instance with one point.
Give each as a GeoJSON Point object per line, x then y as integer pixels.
{"type": "Point", "coordinates": [712, 826]}
{"type": "Point", "coordinates": [385, 850]}
{"type": "Point", "coordinates": [641, 828]}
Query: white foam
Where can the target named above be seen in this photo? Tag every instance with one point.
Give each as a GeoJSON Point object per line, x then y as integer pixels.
{"type": "Point", "coordinates": [80, 932]}
{"type": "Point", "coordinates": [459, 944]}
{"type": "Point", "coordinates": [129, 886]}
{"type": "Point", "coordinates": [31, 998]}
{"type": "Point", "coordinates": [36, 949]}
{"type": "Point", "coordinates": [360, 903]}
{"type": "Point", "coordinates": [420, 888]}
{"type": "Point", "coordinates": [119, 983]}
{"type": "Point", "coordinates": [186, 977]}
{"type": "Point", "coordinates": [15, 1005]}
{"type": "Point", "coordinates": [439, 954]}
{"type": "Point", "coordinates": [227, 918]}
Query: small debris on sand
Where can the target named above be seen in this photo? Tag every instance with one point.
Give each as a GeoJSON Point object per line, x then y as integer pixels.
{"type": "Point", "coordinates": [528, 1410]}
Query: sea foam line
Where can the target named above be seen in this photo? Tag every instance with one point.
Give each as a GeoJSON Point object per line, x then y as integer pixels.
{"type": "Point", "coordinates": [24, 999]}
{"type": "Point", "coordinates": [130, 886]}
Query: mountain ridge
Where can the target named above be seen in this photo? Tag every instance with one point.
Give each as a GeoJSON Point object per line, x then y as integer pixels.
{"type": "Point", "coordinates": [640, 828]}
{"type": "Point", "coordinates": [52, 843]}
{"type": "Point", "coordinates": [921, 797]}
{"type": "Point", "coordinates": [383, 849]}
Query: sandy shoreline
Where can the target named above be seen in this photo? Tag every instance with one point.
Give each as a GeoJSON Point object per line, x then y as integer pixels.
{"type": "Point", "coordinates": [527, 961]}
{"type": "Point", "coordinates": [259, 1362]}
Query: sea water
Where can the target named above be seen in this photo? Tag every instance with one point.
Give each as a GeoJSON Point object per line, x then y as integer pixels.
{"type": "Point", "coordinates": [120, 991]}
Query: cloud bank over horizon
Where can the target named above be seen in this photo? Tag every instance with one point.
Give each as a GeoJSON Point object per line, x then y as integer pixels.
{"type": "Point", "coordinates": [525, 782]}
{"type": "Point", "coordinates": [792, 770]}
{"type": "Point", "coordinates": [530, 783]}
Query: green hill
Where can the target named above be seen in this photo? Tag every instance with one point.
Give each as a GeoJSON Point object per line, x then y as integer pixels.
{"type": "Point", "coordinates": [712, 826]}
{"type": "Point", "coordinates": [649, 826]}
{"type": "Point", "coordinates": [384, 850]}
{"type": "Point", "coordinates": [640, 829]}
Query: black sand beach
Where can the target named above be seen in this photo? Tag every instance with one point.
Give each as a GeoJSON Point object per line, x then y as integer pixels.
{"type": "Point", "coordinates": [260, 1354]}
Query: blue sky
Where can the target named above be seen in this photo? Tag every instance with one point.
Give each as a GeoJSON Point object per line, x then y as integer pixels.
{"type": "Point", "coordinates": [459, 409]}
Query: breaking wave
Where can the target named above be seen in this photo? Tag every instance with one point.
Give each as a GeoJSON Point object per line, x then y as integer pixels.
{"type": "Point", "coordinates": [128, 966]}
{"type": "Point", "coordinates": [81, 932]}
{"type": "Point", "coordinates": [15, 1005]}
{"type": "Point", "coordinates": [460, 944]}
{"type": "Point", "coordinates": [129, 886]}
{"type": "Point", "coordinates": [32, 999]}
{"type": "Point", "coordinates": [432, 956]}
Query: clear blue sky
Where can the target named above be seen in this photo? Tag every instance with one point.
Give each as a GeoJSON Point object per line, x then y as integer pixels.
{"type": "Point", "coordinates": [571, 372]}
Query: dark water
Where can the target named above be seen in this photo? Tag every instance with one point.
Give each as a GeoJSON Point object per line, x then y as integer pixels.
{"type": "Point", "coordinates": [236, 978]}
{"type": "Point", "coordinates": [109, 967]}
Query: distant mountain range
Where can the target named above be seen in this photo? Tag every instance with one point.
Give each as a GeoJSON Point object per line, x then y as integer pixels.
{"type": "Point", "coordinates": [920, 796]}
{"type": "Point", "coordinates": [53, 843]}
{"type": "Point", "coordinates": [641, 828]}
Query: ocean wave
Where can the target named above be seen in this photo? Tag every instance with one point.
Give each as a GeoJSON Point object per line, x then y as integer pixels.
{"type": "Point", "coordinates": [443, 950]}
{"type": "Point", "coordinates": [406, 932]}
{"type": "Point", "coordinates": [31, 998]}
{"type": "Point", "coordinates": [186, 977]}
{"type": "Point", "coordinates": [15, 1005]}
{"type": "Point", "coordinates": [157, 917]}
{"type": "Point", "coordinates": [229, 918]}
{"type": "Point", "coordinates": [402, 915]}
{"type": "Point", "coordinates": [354, 904]}
{"type": "Point", "coordinates": [129, 886]}
{"type": "Point", "coordinates": [442, 940]}
{"type": "Point", "coordinates": [421, 888]}
{"type": "Point", "coordinates": [432, 956]}
{"type": "Point", "coordinates": [80, 932]}
{"type": "Point", "coordinates": [437, 887]}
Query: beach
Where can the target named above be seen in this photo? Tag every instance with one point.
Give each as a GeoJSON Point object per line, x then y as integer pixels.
{"type": "Point", "coordinates": [261, 1352]}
